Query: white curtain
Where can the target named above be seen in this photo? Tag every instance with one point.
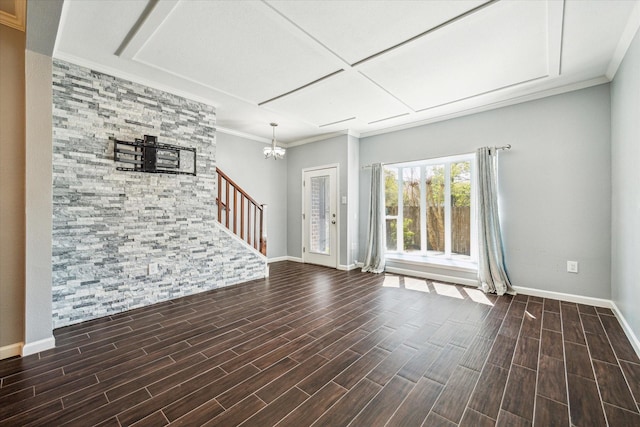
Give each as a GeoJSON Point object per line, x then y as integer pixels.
{"type": "Point", "coordinates": [492, 273]}
{"type": "Point", "coordinates": [374, 256]}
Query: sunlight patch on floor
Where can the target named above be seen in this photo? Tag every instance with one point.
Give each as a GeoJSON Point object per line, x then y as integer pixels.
{"type": "Point", "coordinates": [478, 296]}
{"type": "Point", "coordinates": [447, 290]}
{"type": "Point", "coordinates": [416, 284]}
{"type": "Point", "coordinates": [391, 281]}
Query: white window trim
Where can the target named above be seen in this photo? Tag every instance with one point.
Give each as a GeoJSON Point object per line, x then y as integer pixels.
{"type": "Point", "coordinates": [433, 261]}
{"type": "Point", "coordinates": [444, 260]}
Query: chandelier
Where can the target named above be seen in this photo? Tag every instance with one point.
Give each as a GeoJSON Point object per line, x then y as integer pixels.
{"type": "Point", "coordinates": [274, 151]}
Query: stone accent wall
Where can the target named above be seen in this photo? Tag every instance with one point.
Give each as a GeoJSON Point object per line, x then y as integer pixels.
{"type": "Point", "coordinates": [108, 225]}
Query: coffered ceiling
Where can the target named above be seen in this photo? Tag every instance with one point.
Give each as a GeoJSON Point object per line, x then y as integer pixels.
{"type": "Point", "coordinates": [364, 67]}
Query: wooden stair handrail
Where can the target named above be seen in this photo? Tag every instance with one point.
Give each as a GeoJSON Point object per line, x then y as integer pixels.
{"type": "Point", "coordinates": [233, 184]}
{"type": "Point", "coordinates": [253, 215]}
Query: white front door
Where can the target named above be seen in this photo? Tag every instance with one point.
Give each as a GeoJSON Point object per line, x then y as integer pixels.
{"type": "Point", "coordinates": [320, 217]}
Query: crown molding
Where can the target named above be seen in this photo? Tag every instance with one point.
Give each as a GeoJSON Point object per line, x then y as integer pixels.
{"type": "Point", "coordinates": [492, 106]}
{"type": "Point", "coordinates": [244, 135]}
{"type": "Point", "coordinates": [325, 136]}
{"type": "Point", "coordinates": [628, 34]}
{"type": "Point", "coordinates": [438, 118]}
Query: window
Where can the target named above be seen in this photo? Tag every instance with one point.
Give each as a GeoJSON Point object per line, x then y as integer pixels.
{"type": "Point", "coordinates": [430, 209]}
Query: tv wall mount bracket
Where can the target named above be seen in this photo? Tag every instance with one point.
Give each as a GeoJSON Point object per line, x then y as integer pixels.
{"type": "Point", "coordinates": [150, 156]}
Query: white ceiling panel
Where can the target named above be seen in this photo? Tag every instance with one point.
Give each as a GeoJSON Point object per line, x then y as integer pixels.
{"type": "Point", "coordinates": [501, 45]}
{"type": "Point", "coordinates": [242, 48]}
{"type": "Point", "coordinates": [96, 28]}
{"type": "Point", "coordinates": [355, 31]}
{"type": "Point", "coordinates": [342, 97]}
{"type": "Point", "coordinates": [442, 59]}
{"type": "Point", "coordinates": [592, 30]}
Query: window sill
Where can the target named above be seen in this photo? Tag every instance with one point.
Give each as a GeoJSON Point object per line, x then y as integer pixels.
{"type": "Point", "coordinates": [423, 260]}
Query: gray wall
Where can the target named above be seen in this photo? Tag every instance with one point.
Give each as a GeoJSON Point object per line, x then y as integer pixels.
{"type": "Point", "coordinates": [625, 224]}
{"type": "Point", "coordinates": [42, 26]}
{"type": "Point", "coordinates": [108, 225]}
{"type": "Point", "coordinates": [38, 320]}
{"type": "Point", "coordinates": [43, 18]}
{"type": "Point", "coordinates": [555, 184]}
{"type": "Point", "coordinates": [264, 179]}
{"type": "Point", "coordinates": [353, 199]}
{"type": "Point", "coordinates": [329, 151]}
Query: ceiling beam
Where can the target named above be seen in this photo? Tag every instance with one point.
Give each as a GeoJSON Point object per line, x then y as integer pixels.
{"type": "Point", "coordinates": [427, 32]}
{"type": "Point", "coordinates": [153, 15]}
{"type": "Point", "coordinates": [555, 32]}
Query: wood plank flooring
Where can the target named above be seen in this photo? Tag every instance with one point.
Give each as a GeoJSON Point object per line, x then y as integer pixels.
{"type": "Point", "coordinates": [315, 346]}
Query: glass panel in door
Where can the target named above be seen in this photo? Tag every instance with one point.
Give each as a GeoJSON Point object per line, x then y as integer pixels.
{"type": "Point", "coordinates": [320, 238]}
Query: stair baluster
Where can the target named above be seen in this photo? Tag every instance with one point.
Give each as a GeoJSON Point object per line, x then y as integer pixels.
{"type": "Point", "coordinates": [251, 220]}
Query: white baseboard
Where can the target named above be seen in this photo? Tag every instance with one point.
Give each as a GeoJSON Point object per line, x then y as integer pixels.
{"type": "Point", "coordinates": [300, 260]}
{"type": "Point", "coordinates": [432, 276]}
{"type": "Point", "coordinates": [627, 329]}
{"type": "Point", "coordinates": [598, 302]}
{"type": "Point", "coordinates": [284, 258]}
{"type": "Point", "coordinates": [11, 350]}
{"type": "Point", "coordinates": [580, 299]}
{"type": "Point", "coordinates": [38, 346]}
{"type": "Point", "coordinates": [347, 267]}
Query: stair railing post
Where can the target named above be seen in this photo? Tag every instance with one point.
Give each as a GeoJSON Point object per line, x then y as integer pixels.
{"type": "Point", "coordinates": [263, 230]}
{"type": "Point", "coordinates": [235, 210]}
{"type": "Point", "coordinates": [226, 217]}
{"type": "Point", "coordinates": [242, 203]}
{"type": "Point", "coordinates": [255, 226]}
{"type": "Point", "coordinates": [219, 198]}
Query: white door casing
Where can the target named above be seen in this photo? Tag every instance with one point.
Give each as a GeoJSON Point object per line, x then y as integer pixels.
{"type": "Point", "coordinates": [320, 217]}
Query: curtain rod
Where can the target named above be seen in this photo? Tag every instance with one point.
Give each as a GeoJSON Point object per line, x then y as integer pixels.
{"type": "Point", "coordinates": [503, 147]}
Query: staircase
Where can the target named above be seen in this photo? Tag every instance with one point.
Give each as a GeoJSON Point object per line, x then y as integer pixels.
{"type": "Point", "coordinates": [241, 214]}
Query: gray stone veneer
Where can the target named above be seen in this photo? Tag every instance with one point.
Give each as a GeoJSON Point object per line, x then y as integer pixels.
{"type": "Point", "coordinates": [108, 225]}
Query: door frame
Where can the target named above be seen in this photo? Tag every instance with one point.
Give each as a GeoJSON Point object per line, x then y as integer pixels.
{"type": "Point", "coordinates": [338, 221]}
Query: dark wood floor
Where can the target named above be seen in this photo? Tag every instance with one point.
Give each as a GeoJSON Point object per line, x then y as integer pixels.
{"type": "Point", "coordinates": [315, 346]}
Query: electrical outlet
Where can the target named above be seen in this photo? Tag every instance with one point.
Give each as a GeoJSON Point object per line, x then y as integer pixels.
{"type": "Point", "coordinates": [153, 268]}
{"type": "Point", "coordinates": [572, 266]}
